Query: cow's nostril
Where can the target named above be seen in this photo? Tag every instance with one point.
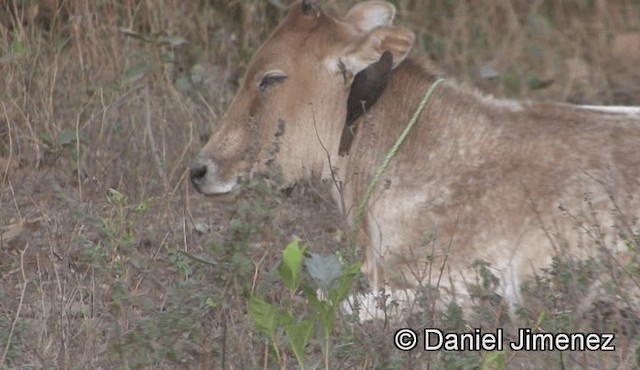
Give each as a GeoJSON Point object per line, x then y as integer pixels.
{"type": "Point", "coordinates": [197, 173]}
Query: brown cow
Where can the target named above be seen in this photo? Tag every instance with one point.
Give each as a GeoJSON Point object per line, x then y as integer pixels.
{"type": "Point", "coordinates": [478, 178]}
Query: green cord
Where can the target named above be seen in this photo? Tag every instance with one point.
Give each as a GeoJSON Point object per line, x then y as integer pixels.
{"type": "Point", "coordinates": [387, 159]}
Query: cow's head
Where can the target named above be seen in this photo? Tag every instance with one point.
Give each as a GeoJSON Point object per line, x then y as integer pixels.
{"type": "Point", "coordinates": [292, 104]}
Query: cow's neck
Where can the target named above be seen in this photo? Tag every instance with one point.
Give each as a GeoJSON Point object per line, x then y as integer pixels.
{"type": "Point", "coordinates": [438, 134]}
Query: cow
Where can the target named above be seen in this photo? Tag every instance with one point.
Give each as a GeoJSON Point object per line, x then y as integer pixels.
{"type": "Point", "coordinates": [510, 183]}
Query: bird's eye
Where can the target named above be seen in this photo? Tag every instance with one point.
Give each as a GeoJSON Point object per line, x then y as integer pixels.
{"type": "Point", "coordinates": [270, 79]}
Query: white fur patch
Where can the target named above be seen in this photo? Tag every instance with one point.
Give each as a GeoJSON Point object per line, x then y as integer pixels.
{"type": "Point", "coordinates": [612, 109]}
{"type": "Point", "coordinates": [509, 104]}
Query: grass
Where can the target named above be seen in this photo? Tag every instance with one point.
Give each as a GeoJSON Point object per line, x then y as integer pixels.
{"type": "Point", "coordinates": [109, 260]}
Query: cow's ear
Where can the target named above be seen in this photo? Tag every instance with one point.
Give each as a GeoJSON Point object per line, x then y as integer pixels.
{"type": "Point", "coordinates": [368, 15]}
{"type": "Point", "coordinates": [369, 48]}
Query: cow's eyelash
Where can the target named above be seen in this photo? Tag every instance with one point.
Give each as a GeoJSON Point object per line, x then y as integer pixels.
{"type": "Point", "coordinates": [271, 79]}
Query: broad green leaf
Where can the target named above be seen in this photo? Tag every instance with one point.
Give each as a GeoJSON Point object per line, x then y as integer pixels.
{"type": "Point", "coordinates": [168, 56]}
{"type": "Point", "coordinates": [289, 269]}
{"type": "Point", "coordinates": [68, 136]}
{"type": "Point", "coordinates": [46, 137]}
{"type": "Point", "coordinates": [136, 71]}
{"type": "Point", "coordinates": [323, 269]}
{"type": "Point", "coordinates": [324, 309]}
{"type": "Point", "coordinates": [299, 333]}
{"type": "Point", "coordinates": [263, 316]}
{"type": "Point", "coordinates": [340, 292]}
{"type": "Point", "coordinates": [172, 40]}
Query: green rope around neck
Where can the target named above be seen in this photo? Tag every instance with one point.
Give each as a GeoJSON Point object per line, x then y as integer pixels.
{"type": "Point", "coordinates": [387, 159]}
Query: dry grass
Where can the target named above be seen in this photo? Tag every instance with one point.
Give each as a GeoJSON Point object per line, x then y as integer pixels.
{"type": "Point", "coordinates": [108, 259]}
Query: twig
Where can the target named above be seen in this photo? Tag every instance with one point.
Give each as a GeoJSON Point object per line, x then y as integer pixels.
{"type": "Point", "coordinates": [22, 294]}
{"type": "Point", "coordinates": [119, 100]}
{"type": "Point", "coordinates": [336, 182]}
{"type": "Point", "coordinates": [152, 141]}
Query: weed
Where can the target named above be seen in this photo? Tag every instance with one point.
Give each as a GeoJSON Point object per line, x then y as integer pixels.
{"type": "Point", "coordinates": [333, 281]}
{"type": "Point", "coordinates": [11, 340]}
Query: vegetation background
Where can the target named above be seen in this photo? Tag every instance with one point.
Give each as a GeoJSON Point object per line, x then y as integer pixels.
{"type": "Point", "coordinates": [109, 260]}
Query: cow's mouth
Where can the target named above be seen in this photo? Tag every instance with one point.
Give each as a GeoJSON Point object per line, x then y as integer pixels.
{"type": "Point", "coordinates": [208, 179]}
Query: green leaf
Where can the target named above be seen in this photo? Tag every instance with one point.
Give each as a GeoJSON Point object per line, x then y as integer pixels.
{"type": "Point", "coordinates": [168, 57]}
{"type": "Point", "coordinates": [511, 82]}
{"type": "Point", "coordinates": [263, 316]}
{"type": "Point", "coordinates": [198, 74]}
{"type": "Point", "coordinates": [339, 293]}
{"type": "Point", "coordinates": [136, 71]}
{"type": "Point", "coordinates": [68, 136]}
{"type": "Point", "coordinates": [324, 310]}
{"type": "Point", "coordinates": [289, 269]}
{"type": "Point", "coordinates": [46, 137]}
{"type": "Point", "coordinates": [299, 333]}
{"type": "Point", "coordinates": [116, 198]}
{"type": "Point", "coordinates": [488, 72]}
{"type": "Point", "coordinates": [171, 40]}
{"type": "Point", "coordinates": [323, 269]}
{"type": "Point", "coordinates": [212, 303]}
{"type": "Point", "coordinates": [534, 82]}
{"type": "Point", "coordinates": [183, 83]}
{"type": "Point", "coordinates": [131, 33]}
{"type": "Point", "coordinates": [143, 206]}
{"type": "Point", "coordinates": [541, 318]}
{"type": "Point", "coordinates": [494, 360]}
{"type": "Point", "coordinates": [17, 47]}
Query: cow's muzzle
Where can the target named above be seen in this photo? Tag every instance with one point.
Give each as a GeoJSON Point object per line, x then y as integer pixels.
{"type": "Point", "coordinates": [198, 174]}
{"type": "Point", "coordinates": [207, 178]}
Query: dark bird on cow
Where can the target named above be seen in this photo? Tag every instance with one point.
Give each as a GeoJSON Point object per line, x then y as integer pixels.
{"type": "Point", "coordinates": [366, 88]}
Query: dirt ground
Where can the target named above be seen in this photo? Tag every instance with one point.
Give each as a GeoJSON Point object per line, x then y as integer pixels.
{"type": "Point", "coordinates": [109, 259]}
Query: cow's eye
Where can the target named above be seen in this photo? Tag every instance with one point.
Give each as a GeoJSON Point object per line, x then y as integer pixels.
{"type": "Point", "coordinates": [270, 79]}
